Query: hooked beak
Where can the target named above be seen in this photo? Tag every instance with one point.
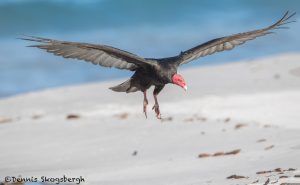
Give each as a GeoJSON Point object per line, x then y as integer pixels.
{"type": "Point", "coordinates": [185, 88]}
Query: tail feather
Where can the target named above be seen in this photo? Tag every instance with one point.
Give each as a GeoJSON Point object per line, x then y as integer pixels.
{"type": "Point", "coordinates": [125, 87]}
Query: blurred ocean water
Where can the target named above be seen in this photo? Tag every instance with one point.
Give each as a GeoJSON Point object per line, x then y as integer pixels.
{"type": "Point", "coordinates": [150, 28]}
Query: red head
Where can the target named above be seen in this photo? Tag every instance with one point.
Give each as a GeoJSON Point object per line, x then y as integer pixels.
{"type": "Point", "coordinates": [178, 80]}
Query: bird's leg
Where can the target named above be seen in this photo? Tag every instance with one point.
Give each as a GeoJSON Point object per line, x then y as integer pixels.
{"type": "Point", "coordinates": [145, 103]}
{"type": "Point", "coordinates": [156, 107]}
{"type": "Point", "coordinates": [157, 89]}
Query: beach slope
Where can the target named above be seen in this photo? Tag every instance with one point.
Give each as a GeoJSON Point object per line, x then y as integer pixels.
{"type": "Point", "coordinates": [238, 123]}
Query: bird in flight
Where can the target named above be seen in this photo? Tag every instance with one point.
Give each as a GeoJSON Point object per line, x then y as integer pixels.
{"type": "Point", "coordinates": [149, 72]}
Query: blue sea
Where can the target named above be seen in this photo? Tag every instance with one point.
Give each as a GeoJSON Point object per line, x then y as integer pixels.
{"type": "Point", "coordinates": [149, 28]}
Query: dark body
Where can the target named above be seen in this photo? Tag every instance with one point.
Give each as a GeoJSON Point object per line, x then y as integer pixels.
{"type": "Point", "coordinates": [159, 74]}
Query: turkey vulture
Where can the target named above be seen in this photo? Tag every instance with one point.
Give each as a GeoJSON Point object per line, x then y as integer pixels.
{"type": "Point", "coordinates": [148, 71]}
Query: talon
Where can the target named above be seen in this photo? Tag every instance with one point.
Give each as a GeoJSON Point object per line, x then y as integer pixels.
{"type": "Point", "coordinates": [156, 109]}
{"type": "Point", "coordinates": [145, 112]}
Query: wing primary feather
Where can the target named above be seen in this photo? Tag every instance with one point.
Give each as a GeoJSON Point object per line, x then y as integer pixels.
{"type": "Point", "coordinates": [229, 42]}
{"type": "Point", "coordinates": [103, 55]}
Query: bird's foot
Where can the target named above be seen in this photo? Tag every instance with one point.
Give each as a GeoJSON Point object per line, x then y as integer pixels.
{"type": "Point", "coordinates": [156, 109]}
{"type": "Point", "coordinates": [145, 107]}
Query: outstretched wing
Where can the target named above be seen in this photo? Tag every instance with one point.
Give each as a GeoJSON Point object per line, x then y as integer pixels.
{"type": "Point", "coordinates": [229, 42]}
{"type": "Point", "coordinates": [97, 54]}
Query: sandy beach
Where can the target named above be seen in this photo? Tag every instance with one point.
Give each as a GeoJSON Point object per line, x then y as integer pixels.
{"type": "Point", "coordinates": [238, 123]}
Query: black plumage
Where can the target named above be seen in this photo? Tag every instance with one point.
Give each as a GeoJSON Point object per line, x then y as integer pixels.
{"type": "Point", "coordinates": [148, 71]}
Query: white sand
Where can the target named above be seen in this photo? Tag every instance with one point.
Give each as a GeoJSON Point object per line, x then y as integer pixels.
{"type": "Point", "coordinates": [113, 144]}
